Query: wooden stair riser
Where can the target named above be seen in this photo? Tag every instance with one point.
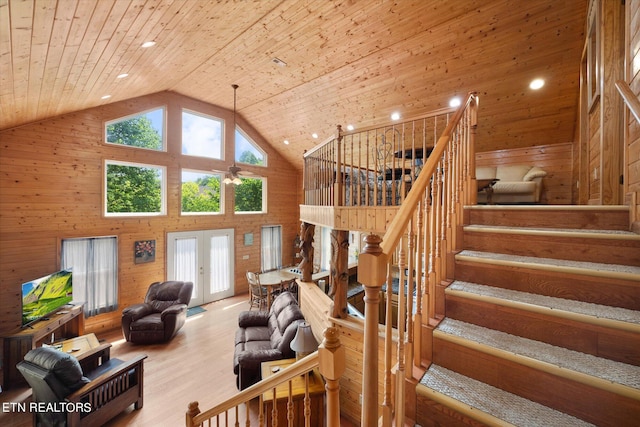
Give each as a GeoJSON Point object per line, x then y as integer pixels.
{"type": "Point", "coordinates": [588, 219]}
{"type": "Point", "coordinates": [594, 289]}
{"type": "Point", "coordinates": [434, 414]}
{"type": "Point", "coordinates": [599, 249]}
{"type": "Point", "coordinates": [601, 341]}
{"type": "Point", "coordinates": [585, 401]}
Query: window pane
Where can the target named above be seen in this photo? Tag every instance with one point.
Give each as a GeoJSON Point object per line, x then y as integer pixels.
{"type": "Point", "coordinates": [201, 135]}
{"type": "Point", "coordinates": [201, 192]}
{"type": "Point", "coordinates": [134, 189]}
{"type": "Point", "coordinates": [144, 130]}
{"type": "Point", "coordinates": [247, 151]}
{"type": "Point", "coordinates": [249, 195]}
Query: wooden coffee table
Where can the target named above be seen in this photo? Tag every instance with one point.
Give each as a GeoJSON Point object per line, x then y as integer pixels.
{"type": "Point", "coordinates": [316, 396]}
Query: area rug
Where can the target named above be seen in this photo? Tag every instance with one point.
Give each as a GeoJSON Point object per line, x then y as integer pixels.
{"type": "Point", "coordinates": [195, 310]}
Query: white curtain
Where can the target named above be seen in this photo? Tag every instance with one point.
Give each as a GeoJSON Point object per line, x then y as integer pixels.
{"type": "Point", "coordinates": [271, 247]}
{"type": "Point", "coordinates": [219, 262]}
{"type": "Point", "coordinates": [94, 264]}
{"type": "Point", "coordinates": [186, 259]}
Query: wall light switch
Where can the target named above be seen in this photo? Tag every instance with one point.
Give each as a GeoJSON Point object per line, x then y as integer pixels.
{"type": "Point", "coordinates": [245, 257]}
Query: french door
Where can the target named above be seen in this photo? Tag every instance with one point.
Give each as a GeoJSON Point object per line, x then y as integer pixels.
{"type": "Point", "coordinates": [205, 258]}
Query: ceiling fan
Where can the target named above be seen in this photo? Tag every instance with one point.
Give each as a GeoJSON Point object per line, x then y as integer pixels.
{"type": "Point", "coordinates": [233, 177]}
{"type": "Point", "coordinates": [234, 171]}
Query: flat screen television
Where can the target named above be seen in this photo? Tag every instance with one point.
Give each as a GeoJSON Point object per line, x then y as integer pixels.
{"type": "Point", "coordinates": [45, 295]}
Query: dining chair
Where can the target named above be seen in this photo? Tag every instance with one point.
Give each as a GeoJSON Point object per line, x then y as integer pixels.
{"type": "Point", "coordinates": [257, 292]}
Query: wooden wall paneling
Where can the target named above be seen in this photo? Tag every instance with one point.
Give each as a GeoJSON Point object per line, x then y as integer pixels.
{"type": "Point", "coordinates": [51, 185]}
{"type": "Point", "coordinates": [612, 142]}
{"type": "Point", "coordinates": [632, 164]}
{"type": "Point", "coordinates": [553, 158]}
{"type": "Point", "coordinates": [593, 162]}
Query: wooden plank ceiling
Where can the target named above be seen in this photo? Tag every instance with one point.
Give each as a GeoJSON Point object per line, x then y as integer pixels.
{"type": "Point", "coordinates": [347, 61]}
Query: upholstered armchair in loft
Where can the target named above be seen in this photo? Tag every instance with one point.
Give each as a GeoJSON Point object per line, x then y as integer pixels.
{"type": "Point", "coordinates": [161, 316]}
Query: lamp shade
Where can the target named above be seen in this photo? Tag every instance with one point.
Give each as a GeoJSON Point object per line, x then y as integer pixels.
{"type": "Point", "coordinates": [304, 342]}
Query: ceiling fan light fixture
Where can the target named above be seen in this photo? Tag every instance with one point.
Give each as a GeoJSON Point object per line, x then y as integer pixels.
{"type": "Point", "coordinates": [232, 176]}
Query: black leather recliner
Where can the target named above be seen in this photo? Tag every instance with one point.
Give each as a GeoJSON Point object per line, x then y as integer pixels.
{"type": "Point", "coordinates": [161, 316]}
{"type": "Point", "coordinates": [71, 397]}
{"type": "Point", "coordinates": [264, 336]}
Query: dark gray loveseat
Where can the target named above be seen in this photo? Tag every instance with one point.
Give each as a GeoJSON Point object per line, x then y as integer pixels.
{"type": "Point", "coordinates": [264, 336]}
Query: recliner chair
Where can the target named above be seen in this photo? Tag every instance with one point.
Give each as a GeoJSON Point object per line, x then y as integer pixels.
{"type": "Point", "coordinates": [70, 398]}
{"type": "Point", "coordinates": [161, 316]}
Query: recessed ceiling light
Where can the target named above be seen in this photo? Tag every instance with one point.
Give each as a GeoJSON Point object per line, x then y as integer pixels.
{"type": "Point", "coordinates": [279, 62]}
{"type": "Point", "coordinates": [536, 84]}
{"type": "Point", "coordinates": [148, 44]}
{"type": "Point", "coordinates": [286, 142]}
{"type": "Point", "coordinates": [123, 75]}
{"type": "Point", "coordinates": [350, 127]}
{"type": "Point", "coordinates": [395, 116]}
{"type": "Point", "coordinates": [314, 135]}
{"type": "Point", "coordinates": [106, 97]}
{"type": "Point", "coordinates": [454, 102]}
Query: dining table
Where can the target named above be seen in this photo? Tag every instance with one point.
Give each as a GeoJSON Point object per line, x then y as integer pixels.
{"type": "Point", "coordinates": [273, 279]}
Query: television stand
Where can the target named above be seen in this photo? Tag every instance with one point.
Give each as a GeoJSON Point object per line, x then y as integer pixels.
{"type": "Point", "coordinates": [19, 342]}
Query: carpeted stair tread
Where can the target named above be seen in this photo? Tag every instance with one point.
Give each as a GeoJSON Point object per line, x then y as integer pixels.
{"type": "Point", "coordinates": [621, 234]}
{"type": "Point", "coordinates": [595, 367]}
{"type": "Point", "coordinates": [491, 400]}
{"type": "Point", "coordinates": [632, 272]}
{"type": "Point", "coordinates": [588, 309]}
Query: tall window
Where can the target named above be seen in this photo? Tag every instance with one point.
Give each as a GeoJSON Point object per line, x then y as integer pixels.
{"type": "Point", "coordinates": [271, 247]}
{"type": "Point", "coordinates": [201, 135]}
{"type": "Point", "coordinates": [201, 192]}
{"type": "Point", "coordinates": [250, 196]}
{"type": "Point", "coordinates": [248, 151]}
{"type": "Point", "coordinates": [94, 262]}
{"type": "Point", "coordinates": [134, 189]}
{"type": "Point", "coordinates": [143, 130]}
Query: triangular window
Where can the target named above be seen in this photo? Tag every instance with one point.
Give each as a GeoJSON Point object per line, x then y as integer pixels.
{"type": "Point", "coordinates": [248, 151]}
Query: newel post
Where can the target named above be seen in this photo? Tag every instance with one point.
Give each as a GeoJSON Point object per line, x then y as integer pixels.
{"type": "Point", "coordinates": [372, 265]}
{"type": "Point", "coordinates": [192, 411]}
{"type": "Point", "coordinates": [332, 359]}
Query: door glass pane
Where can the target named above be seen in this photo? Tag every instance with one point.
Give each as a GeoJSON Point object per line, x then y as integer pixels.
{"type": "Point", "coordinates": [186, 260]}
{"type": "Point", "coordinates": [219, 261]}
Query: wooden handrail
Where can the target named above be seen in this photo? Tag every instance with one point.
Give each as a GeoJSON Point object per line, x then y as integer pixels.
{"type": "Point", "coordinates": [298, 368]}
{"type": "Point", "coordinates": [431, 211]}
{"type": "Point", "coordinates": [630, 98]}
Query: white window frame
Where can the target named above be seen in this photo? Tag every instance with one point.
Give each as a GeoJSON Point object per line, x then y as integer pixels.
{"type": "Point", "coordinates": [209, 117]}
{"type": "Point", "coordinates": [222, 191]}
{"type": "Point", "coordinates": [264, 198]}
{"type": "Point", "coordinates": [254, 144]}
{"type": "Point", "coordinates": [141, 113]}
{"type": "Point", "coordinates": [163, 190]}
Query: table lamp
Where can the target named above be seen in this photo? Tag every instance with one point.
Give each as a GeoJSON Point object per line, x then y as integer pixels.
{"type": "Point", "coordinates": [304, 343]}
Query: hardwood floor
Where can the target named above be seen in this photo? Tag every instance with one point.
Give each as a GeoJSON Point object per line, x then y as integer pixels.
{"type": "Point", "coordinates": [196, 365]}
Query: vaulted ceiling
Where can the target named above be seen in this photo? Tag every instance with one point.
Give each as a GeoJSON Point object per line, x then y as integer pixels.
{"type": "Point", "coordinates": [347, 61]}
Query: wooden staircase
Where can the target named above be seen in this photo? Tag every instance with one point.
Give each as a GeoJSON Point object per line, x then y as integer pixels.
{"type": "Point", "coordinates": [542, 322]}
